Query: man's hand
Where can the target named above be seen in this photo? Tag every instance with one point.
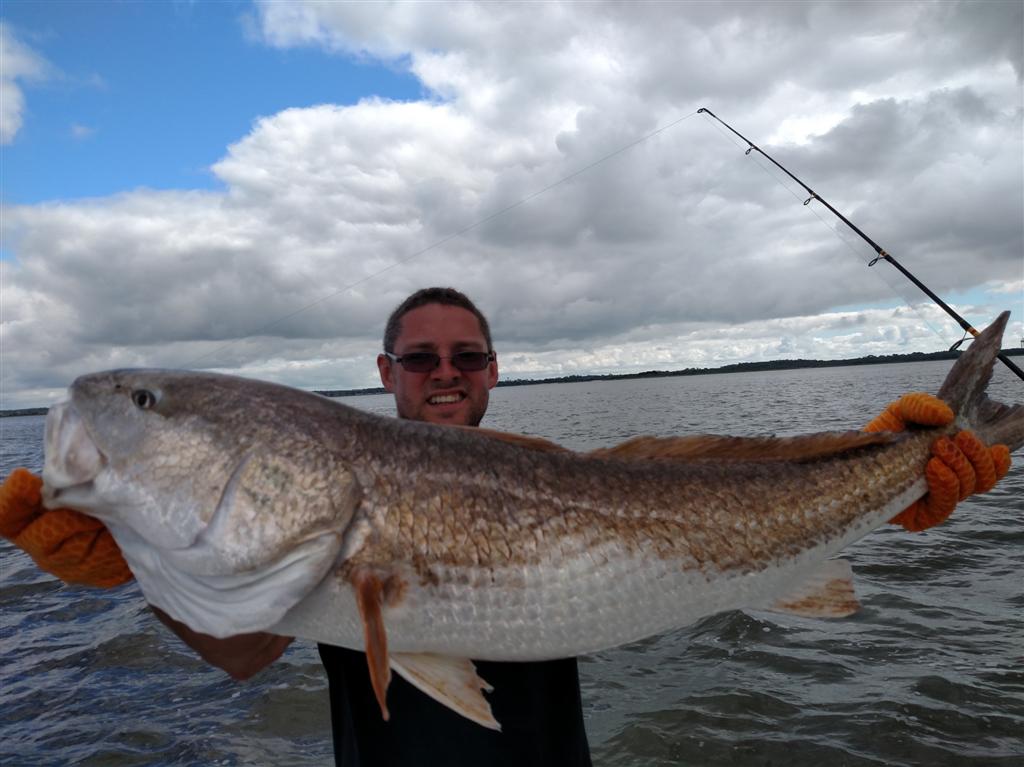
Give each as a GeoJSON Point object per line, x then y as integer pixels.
{"type": "Point", "coordinates": [76, 548]}
{"type": "Point", "coordinates": [80, 550]}
{"type": "Point", "coordinates": [959, 467]}
{"type": "Point", "coordinates": [241, 656]}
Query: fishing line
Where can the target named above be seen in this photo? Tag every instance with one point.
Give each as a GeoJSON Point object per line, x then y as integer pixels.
{"type": "Point", "coordinates": [857, 247]}
{"type": "Point", "coordinates": [447, 238]}
{"type": "Point", "coordinates": [881, 254]}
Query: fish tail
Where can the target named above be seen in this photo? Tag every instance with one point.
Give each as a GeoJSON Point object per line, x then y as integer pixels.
{"type": "Point", "coordinates": [964, 391]}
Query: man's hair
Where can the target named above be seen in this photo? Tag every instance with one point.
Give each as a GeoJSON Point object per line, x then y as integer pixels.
{"type": "Point", "coordinates": [423, 297]}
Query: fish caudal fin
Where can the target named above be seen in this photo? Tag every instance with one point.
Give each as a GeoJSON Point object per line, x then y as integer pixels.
{"type": "Point", "coordinates": [453, 682]}
{"type": "Point", "coordinates": [964, 391]}
{"type": "Point", "coordinates": [827, 593]}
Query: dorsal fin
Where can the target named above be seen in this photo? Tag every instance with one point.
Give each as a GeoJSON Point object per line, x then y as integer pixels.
{"type": "Point", "coordinates": [719, 448]}
{"type": "Point", "coordinates": [531, 443]}
{"type": "Point", "coordinates": [710, 446]}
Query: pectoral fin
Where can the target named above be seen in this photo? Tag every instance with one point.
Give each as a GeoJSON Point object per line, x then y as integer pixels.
{"type": "Point", "coordinates": [369, 590]}
{"type": "Point", "coordinates": [828, 593]}
{"type": "Point", "coordinates": [453, 682]}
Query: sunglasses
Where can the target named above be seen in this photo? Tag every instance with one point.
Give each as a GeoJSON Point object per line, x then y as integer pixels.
{"type": "Point", "coordinates": [424, 362]}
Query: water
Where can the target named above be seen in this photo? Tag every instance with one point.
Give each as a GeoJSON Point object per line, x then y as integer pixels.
{"type": "Point", "coordinates": [931, 671]}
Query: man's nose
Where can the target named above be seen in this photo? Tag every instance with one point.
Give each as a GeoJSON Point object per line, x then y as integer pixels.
{"type": "Point", "coordinates": [445, 370]}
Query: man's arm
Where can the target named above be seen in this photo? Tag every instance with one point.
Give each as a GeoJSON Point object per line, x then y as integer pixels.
{"type": "Point", "coordinates": [240, 656]}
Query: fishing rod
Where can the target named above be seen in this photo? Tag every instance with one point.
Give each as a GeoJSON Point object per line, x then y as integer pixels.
{"type": "Point", "coordinates": [882, 254]}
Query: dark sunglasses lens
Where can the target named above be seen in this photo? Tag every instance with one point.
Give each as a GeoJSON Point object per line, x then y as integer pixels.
{"type": "Point", "coordinates": [420, 362]}
{"type": "Point", "coordinates": [471, 361]}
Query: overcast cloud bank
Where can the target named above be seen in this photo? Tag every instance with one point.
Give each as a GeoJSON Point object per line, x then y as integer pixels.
{"type": "Point", "coordinates": [678, 252]}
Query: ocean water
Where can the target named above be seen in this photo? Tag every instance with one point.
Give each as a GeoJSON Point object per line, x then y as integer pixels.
{"type": "Point", "coordinates": [929, 672]}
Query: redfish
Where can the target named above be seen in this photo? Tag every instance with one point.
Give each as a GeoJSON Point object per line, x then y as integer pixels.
{"type": "Point", "coordinates": [247, 506]}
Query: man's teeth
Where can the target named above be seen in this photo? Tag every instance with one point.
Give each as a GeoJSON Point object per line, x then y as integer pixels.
{"type": "Point", "coordinates": [444, 399]}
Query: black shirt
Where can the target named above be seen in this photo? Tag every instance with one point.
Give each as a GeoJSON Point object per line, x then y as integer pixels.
{"type": "Point", "coordinates": [537, 704]}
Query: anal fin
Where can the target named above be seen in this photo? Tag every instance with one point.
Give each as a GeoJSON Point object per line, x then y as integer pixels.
{"type": "Point", "coordinates": [452, 682]}
{"type": "Point", "coordinates": [827, 593]}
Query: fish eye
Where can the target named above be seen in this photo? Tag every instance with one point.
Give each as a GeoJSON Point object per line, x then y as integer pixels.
{"type": "Point", "coordinates": [143, 399]}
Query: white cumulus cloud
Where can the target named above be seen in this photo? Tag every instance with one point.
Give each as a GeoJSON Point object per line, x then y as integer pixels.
{"type": "Point", "coordinates": [18, 64]}
{"type": "Point", "coordinates": [677, 252]}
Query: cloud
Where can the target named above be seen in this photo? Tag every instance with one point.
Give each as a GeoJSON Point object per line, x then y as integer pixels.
{"type": "Point", "coordinates": [1011, 287]}
{"type": "Point", "coordinates": [18, 64]}
{"type": "Point", "coordinates": [81, 132]}
{"type": "Point", "coordinates": [678, 252]}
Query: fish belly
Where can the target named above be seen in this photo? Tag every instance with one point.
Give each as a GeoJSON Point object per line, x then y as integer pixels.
{"type": "Point", "coordinates": [596, 599]}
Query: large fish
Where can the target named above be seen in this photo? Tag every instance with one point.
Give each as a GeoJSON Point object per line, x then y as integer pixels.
{"type": "Point", "coordinates": [245, 506]}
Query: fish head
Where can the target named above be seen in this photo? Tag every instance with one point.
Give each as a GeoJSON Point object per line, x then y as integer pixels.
{"type": "Point", "coordinates": [226, 509]}
{"type": "Point", "coordinates": [127, 449]}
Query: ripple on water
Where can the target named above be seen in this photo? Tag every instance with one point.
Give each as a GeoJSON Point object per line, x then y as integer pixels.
{"type": "Point", "coordinates": [929, 672]}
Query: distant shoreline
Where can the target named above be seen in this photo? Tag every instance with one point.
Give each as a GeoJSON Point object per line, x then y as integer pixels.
{"type": "Point", "coordinates": [738, 367]}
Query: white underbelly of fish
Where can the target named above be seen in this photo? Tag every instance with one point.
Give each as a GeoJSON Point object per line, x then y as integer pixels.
{"type": "Point", "coordinates": [593, 600]}
{"type": "Point", "coordinates": [554, 614]}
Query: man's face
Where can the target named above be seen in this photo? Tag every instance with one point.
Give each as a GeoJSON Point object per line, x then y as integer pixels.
{"type": "Point", "coordinates": [445, 395]}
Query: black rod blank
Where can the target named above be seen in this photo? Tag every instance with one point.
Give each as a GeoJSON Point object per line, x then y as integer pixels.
{"type": "Point", "coordinates": [882, 254]}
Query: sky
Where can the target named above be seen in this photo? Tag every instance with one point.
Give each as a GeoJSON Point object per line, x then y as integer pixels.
{"type": "Point", "coordinates": [251, 187]}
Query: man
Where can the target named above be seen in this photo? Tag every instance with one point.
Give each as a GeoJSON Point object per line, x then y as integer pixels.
{"type": "Point", "coordinates": [439, 364]}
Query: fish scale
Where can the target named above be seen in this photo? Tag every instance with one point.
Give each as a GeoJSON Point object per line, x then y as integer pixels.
{"type": "Point", "coordinates": [640, 548]}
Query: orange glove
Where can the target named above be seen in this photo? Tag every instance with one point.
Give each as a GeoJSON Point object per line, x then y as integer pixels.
{"type": "Point", "coordinates": [64, 542]}
{"type": "Point", "coordinates": [961, 466]}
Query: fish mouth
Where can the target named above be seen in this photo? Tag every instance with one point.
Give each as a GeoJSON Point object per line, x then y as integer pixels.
{"type": "Point", "coordinates": [73, 460]}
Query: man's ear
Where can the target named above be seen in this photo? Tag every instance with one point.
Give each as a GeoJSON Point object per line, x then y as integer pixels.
{"type": "Point", "coordinates": [384, 368]}
{"type": "Point", "coordinates": [492, 372]}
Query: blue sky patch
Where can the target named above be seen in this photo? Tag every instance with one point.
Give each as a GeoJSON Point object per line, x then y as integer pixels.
{"type": "Point", "coordinates": [108, 116]}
